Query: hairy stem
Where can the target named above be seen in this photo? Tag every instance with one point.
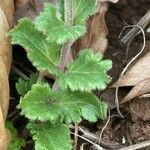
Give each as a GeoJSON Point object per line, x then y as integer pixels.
{"type": "Point", "coordinates": [65, 52]}
{"type": "Point", "coordinates": [66, 48]}
{"type": "Point", "coordinates": [68, 6]}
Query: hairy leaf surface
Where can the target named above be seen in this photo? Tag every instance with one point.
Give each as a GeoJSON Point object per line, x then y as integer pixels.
{"type": "Point", "coordinates": [44, 104]}
{"type": "Point", "coordinates": [83, 9]}
{"type": "Point", "coordinates": [43, 55]}
{"type": "Point", "coordinates": [87, 72]}
{"type": "Point", "coordinates": [55, 28]}
{"type": "Point", "coordinates": [50, 136]}
{"type": "Point", "coordinates": [60, 8]}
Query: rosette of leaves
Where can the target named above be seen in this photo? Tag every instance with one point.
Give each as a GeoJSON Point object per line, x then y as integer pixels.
{"type": "Point", "coordinates": [51, 111]}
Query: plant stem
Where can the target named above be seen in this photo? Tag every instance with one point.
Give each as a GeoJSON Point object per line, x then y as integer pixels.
{"type": "Point", "coordinates": [68, 6]}
{"type": "Point", "coordinates": [66, 48]}
{"type": "Point", "coordinates": [64, 57]}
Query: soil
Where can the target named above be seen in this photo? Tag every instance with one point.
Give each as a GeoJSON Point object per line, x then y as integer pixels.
{"type": "Point", "coordinates": [135, 126]}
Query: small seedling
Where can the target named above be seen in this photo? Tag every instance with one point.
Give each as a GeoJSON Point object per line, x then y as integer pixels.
{"type": "Point", "coordinates": [48, 41]}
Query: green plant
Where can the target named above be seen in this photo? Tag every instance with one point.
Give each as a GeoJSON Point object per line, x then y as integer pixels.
{"type": "Point", "coordinates": [48, 41]}
{"type": "Point", "coordinates": [16, 142]}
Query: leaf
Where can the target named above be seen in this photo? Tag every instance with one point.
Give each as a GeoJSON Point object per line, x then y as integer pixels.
{"type": "Point", "coordinates": [138, 77]}
{"type": "Point", "coordinates": [6, 21]}
{"type": "Point", "coordinates": [60, 8]}
{"type": "Point", "coordinates": [140, 88]}
{"type": "Point", "coordinates": [50, 136]}
{"type": "Point", "coordinates": [55, 28]}
{"type": "Point", "coordinates": [35, 104]}
{"type": "Point", "coordinates": [4, 133]}
{"type": "Point", "coordinates": [43, 55]}
{"type": "Point", "coordinates": [29, 9]}
{"type": "Point", "coordinates": [83, 9]}
{"type": "Point", "coordinates": [44, 104]}
{"type": "Point", "coordinates": [86, 73]}
{"type": "Point", "coordinates": [139, 72]}
{"type": "Point", "coordinates": [20, 3]}
{"type": "Point", "coordinates": [16, 143]}
{"type": "Point", "coordinates": [23, 86]}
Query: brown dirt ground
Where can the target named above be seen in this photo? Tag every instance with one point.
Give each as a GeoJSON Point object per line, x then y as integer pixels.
{"type": "Point", "coordinates": [135, 127]}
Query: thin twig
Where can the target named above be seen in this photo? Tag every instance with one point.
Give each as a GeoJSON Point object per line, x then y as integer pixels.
{"type": "Point", "coordinates": [143, 22]}
{"type": "Point", "coordinates": [145, 95]}
{"type": "Point", "coordinates": [11, 114]}
{"type": "Point", "coordinates": [95, 145]}
{"type": "Point", "coordinates": [137, 146]}
{"type": "Point", "coordinates": [75, 137]}
{"type": "Point", "coordinates": [41, 75]}
{"type": "Point", "coordinates": [127, 51]}
{"type": "Point", "coordinates": [127, 133]}
{"type": "Point", "coordinates": [100, 137]}
{"type": "Point", "coordinates": [127, 66]}
{"type": "Point", "coordinates": [82, 146]}
{"type": "Point", "coordinates": [94, 138]}
{"type": "Point", "coordinates": [20, 73]}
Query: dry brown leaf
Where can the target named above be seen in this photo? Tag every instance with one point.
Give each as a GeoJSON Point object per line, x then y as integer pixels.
{"type": "Point", "coordinates": [30, 9]}
{"type": "Point", "coordinates": [96, 32]}
{"type": "Point", "coordinates": [137, 76]}
{"type": "Point", "coordinates": [142, 87]}
{"type": "Point", "coordinates": [140, 71]}
{"type": "Point", "coordinates": [6, 8]}
{"type": "Point", "coordinates": [4, 88]}
{"type": "Point", "coordinates": [5, 136]}
{"type": "Point", "coordinates": [6, 19]}
{"type": "Point", "coordinates": [20, 3]}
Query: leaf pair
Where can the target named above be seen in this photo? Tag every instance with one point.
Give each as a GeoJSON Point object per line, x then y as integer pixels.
{"type": "Point", "coordinates": [55, 29]}
{"type": "Point", "coordinates": [53, 26]}
{"type": "Point", "coordinates": [87, 73]}
{"type": "Point", "coordinates": [51, 21]}
{"type": "Point", "coordinates": [40, 38]}
{"type": "Point", "coordinates": [44, 104]}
